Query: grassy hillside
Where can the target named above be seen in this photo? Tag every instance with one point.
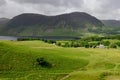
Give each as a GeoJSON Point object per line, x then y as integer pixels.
{"type": "Point", "coordinates": [18, 62]}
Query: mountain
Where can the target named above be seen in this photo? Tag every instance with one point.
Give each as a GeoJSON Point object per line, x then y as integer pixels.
{"type": "Point", "coordinates": [112, 23]}
{"type": "Point", "coordinates": [4, 21]}
{"type": "Point", "coordinates": [71, 24]}
{"type": "Point", "coordinates": [111, 26]}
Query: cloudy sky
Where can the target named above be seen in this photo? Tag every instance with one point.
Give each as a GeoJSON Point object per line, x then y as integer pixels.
{"type": "Point", "coordinates": [102, 9]}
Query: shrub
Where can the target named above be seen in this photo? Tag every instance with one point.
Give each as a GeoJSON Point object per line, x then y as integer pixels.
{"type": "Point", "coordinates": [43, 63]}
{"type": "Point", "coordinates": [58, 44]}
{"type": "Point", "coordinates": [106, 43]}
{"type": "Point", "coordinates": [113, 45]}
{"type": "Point", "coordinates": [93, 45]}
{"type": "Point", "coordinates": [49, 41]}
{"type": "Point", "coordinates": [67, 44]}
{"type": "Point", "coordinates": [118, 44]}
{"type": "Point", "coordinates": [87, 46]}
{"type": "Point", "coordinates": [104, 74]}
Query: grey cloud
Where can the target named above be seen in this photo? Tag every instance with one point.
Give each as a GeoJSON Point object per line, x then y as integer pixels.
{"type": "Point", "coordinates": [53, 2]}
{"type": "Point", "coordinates": [105, 9]}
{"type": "Point", "coordinates": [110, 5]}
{"type": "Point", "coordinates": [2, 2]}
{"type": "Point", "coordinates": [51, 7]}
{"type": "Point", "coordinates": [113, 3]}
{"type": "Point", "coordinates": [102, 9]}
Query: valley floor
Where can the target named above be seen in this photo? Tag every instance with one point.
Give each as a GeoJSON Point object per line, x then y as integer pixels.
{"type": "Point", "coordinates": [18, 62]}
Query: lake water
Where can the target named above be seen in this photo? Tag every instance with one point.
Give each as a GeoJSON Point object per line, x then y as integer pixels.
{"type": "Point", "coordinates": [51, 37]}
{"type": "Point", "coordinates": [8, 38]}
{"type": "Point", "coordinates": [40, 37]}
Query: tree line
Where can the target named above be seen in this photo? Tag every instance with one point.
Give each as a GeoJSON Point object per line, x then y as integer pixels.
{"type": "Point", "coordinates": [87, 42]}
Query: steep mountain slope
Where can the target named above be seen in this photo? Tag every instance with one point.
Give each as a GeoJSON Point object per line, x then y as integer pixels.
{"type": "Point", "coordinates": [72, 24]}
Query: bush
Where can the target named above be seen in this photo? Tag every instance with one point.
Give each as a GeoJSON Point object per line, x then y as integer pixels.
{"type": "Point", "coordinates": [67, 44]}
{"type": "Point", "coordinates": [43, 63]}
{"type": "Point", "coordinates": [105, 74]}
{"type": "Point", "coordinates": [58, 44]}
{"type": "Point", "coordinates": [75, 44]}
{"type": "Point", "coordinates": [93, 45]}
{"type": "Point", "coordinates": [106, 43]}
{"type": "Point", "coordinates": [87, 46]}
{"type": "Point", "coordinates": [113, 45]}
{"type": "Point", "coordinates": [118, 44]}
{"type": "Point", "coordinates": [49, 41]}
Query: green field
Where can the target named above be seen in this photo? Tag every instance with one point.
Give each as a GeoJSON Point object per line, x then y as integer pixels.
{"type": "Point", "coordinates": [18, 62]}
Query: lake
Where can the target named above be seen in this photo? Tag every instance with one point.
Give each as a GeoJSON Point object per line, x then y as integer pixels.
{"type": "Point", "coordinates": [39, 37]}
{"type": "Point", "coordinates": [50, 37]}
{"type": "Point", "coordinates": [8, 38]}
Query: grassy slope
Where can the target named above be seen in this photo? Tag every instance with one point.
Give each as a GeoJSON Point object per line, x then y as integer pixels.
{"type": "Point", "coordinates": [18, 62]}
{"type": "Point", "coordinates": [37, 31]}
